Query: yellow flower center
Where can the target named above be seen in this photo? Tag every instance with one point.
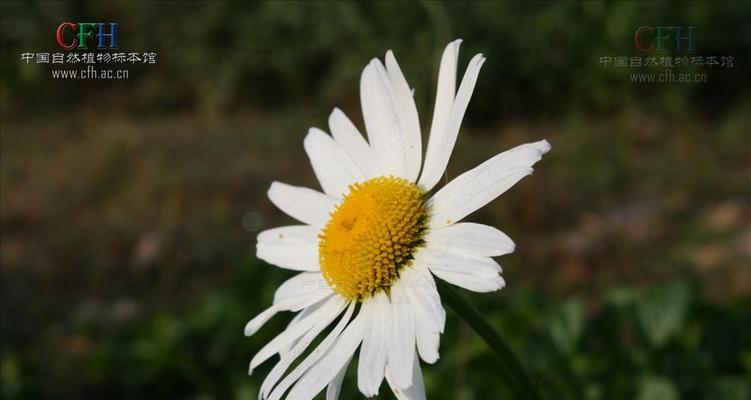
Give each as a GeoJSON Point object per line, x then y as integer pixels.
{"type": "Point", "coordinates": [371, 236]}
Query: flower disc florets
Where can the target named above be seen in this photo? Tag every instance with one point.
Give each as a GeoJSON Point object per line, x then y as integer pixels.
{"type": "Point", "coordinates": [372, 235]}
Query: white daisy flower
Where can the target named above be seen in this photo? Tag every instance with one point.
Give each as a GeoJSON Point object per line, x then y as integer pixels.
{"type": "Point", "coordinates": [369, 245]}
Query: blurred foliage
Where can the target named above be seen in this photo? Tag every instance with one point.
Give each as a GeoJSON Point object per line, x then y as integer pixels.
{"type": "Point", "coordinates": [219, 56]}
{"type": "Point", "coordinates": [129, 209]}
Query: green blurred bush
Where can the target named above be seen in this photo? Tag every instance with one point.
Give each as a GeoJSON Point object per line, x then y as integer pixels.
{"type": "Point", "coordinates": [221, 56]}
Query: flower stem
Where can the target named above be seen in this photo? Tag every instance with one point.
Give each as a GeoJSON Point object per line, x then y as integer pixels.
{"type": "Point", "coordinates": [524, 385]}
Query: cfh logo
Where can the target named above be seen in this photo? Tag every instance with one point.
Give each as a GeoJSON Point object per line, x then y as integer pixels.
{"type": "Point", "coordinates": [72, 35]}
{"type": "Point", "coordinates": [649, 38]}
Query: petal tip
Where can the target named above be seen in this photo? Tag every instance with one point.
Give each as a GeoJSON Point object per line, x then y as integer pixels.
{"type": "Point", "coordinates": [272, 190]}
{"type": "Point", "coordinates": [430, 360]}
{"type": "Point", "coordinates": [543, 145]}
{"type": "Point", "coordinates": [249, 331]}
{"type": "Point", "coordinates": [313, 131]}
{"type": "Point", "coordinates": [454, 45]}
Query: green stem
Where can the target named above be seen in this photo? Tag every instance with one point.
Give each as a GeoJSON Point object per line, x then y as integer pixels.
{"type": "Point", "coordinates": [524, 385]}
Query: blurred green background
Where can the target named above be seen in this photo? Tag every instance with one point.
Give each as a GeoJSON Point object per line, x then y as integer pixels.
{"type": "Point", "coordinates": [130, 208]}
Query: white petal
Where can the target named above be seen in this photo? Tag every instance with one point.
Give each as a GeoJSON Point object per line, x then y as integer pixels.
{"type": "Point", "coordinates": [299, 288]}
{"type": "Point", "coordinates": [414, 392]}
{"type": "Point", "coordinates": [442, 140]}
{"type": "Point", "coordinates": [346, 134]}
{"type": "Point", "coordinates": [331, 309]}
{"type": "Point", "coordinates": [298, 348]}
{"type": "Point", "coordinates": [445, 260]}
{"type": "Point", "coordinates": [292, 247]}
{"type": "Point", "coordinates": [312, 358]}
{"type": "Point", "coordinates": [470, 238]}
{"type": "Point", "coordinates": [259, 320]}
{"type": "Point", "coordinates": [303, 204]}
{"type": "Point", "coordinates": [291, 304]}
{"type": "Point", "coordinates": [428, 339]}
{"type": "Point", "coordinates": [401, 346]}
{"type": "Point", "coordinates": [407, 111]}
{"type": "Point", "coordinates": [424, 292]}
{"type": "Point", "coordinates": [287, 358]}
{"type": "Point", "coordinates": [384, 126]}
{"type": "Point", "coordinates": [444, 96]}
{"type": "Point", "coordinates": [479, 274]}
{"type": "Point", "coordinates": [477, 187]}
{"type": "Point", "coordinates": [475, 283]}
{"type": "Point", "coordinates": [374, 126]}
{"type": "Point", "coordinates": [428, 325]}
{"type": "Point", "coordinates": [374, 350]}
{"type": "Point", "coordinates": [324, 371]}
{"type": "Point", "coordinates": [335, 387]}
{"type": "Point", "coordinates": [302, 314]}
{"type": "Point", "coordinates": [333, 167]}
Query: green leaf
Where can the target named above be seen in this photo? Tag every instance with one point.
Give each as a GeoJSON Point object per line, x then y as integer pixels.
{"type": "Point", "coordinates": [566, 324]}
{"type": "Point", "coordinates": [657, 388]}
{"type": "Point", "coordinates": [730, 388]}
{"type": "Point", "coordinates": [662, 313]}
{"type": "Point", "coordinates": [620, 297]}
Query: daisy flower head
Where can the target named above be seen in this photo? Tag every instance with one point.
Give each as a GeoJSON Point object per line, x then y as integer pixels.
{"type": "Point", "coordinates": [371, 243]}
